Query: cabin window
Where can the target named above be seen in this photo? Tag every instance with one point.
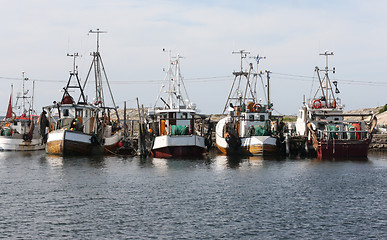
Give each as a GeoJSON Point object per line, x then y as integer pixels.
{"type": "Point", "coordinates": [251, 117]}
{"type": "Point", "coordinates": [79, 113]}
{"type": "Point", "coordinates": [261, 117]}
{"type": "Point", "coordinates": [185, 115]}
{"type": "Point", "coordinates": [337, 119]}
{"type": "Point", "coordinates": [300, 115]}
{"type": "Point", "coordinates": [66, 112]}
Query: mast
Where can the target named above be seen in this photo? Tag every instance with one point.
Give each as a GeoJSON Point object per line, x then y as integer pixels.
{"type": "Point", "coordinates": [99, 69]}
{"type": "Point", "coordinates": [237, 75]}
{"type": "Point", "coordinates": [73, 73]}
{"type": "Point", "coordinates": [24, 96]}
{"type": "Point", "coordinates": [325, 85]}
{"type": "Point", "coordinates": [243, 54]}
{"type": "Point", "coordinates": [268, 88]}
{"type": "Point", "coordinates": [326, 54]}
{"type": "Point", "coordinates": [32, 99]}
{"type": "Point", "coordinates": [248, 94]}
{"type": "Point", "coordinates": [174, 93]}
{"type": "Point", "coordinates": [178, 94]}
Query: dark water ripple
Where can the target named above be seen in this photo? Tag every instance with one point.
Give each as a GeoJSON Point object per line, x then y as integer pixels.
{"type": "Point", "coordinates": [45, 197]}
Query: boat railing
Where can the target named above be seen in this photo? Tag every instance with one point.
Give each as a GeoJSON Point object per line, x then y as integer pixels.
{"type": "Point", "coordinates": [342, 135]}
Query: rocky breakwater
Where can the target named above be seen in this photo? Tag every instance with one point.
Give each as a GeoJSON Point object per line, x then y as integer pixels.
{"type": "Point", "coordinates": [379, 142]}
{"type": "Point", "coordinates": [379, 138]}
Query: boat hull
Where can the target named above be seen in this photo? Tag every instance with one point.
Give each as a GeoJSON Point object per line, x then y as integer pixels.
{"type": "Point", "coordinates": [256, 145]}
{"type": "Point", "coordinates": [111, 143]}
{"type": "Point", "coordinates": [10, 143]}
{"type": "Point", "coordinates": [343, 149]}
{"type": "Point", "coordinates": [66, 142]}
{"type": "Point", "coordinates": [183, 146]}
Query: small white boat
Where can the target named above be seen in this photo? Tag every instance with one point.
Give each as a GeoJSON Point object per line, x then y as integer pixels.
{"type": "Point", "coordinates": [21, 132]}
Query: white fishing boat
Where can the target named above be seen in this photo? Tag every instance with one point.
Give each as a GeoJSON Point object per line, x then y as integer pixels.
{"type": "Point", "coordinates": [322, 121]}
{"type": "Point", "coordinates": [79, 127]}
{"type": "Point", "coordinates": [176, 128]}
{"type": "Point", "coordinates": [20, 132]}
{"type": "Point", "coordinates": [247, 128]}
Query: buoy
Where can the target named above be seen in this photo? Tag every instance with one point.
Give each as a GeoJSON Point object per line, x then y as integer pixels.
{"type": "Point", "coordinates": [257, 107]}
{"type": "Point", "coordinates": [316, 103]}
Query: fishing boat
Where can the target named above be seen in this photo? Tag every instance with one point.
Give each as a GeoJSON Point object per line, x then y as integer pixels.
{"type": "Point", "coordinates": [78, 127]}
{"type": "Point", "coordinates": [176, 128]}
{"type": "Point", "coordinates": [323, 122]}
{"type": "Point", "coordinates": [246, 129]}
{"type": "Point", "coordinates": [20, 132]}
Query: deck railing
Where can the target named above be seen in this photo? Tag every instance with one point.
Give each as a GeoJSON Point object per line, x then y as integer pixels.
{"type": "Point", "coordinates": [342, 135]}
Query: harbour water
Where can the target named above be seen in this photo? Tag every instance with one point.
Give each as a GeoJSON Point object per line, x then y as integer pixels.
{"type": "Point", "coordinates": [46, 197]}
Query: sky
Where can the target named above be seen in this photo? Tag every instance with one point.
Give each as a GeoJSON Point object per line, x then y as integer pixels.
{"type": "Point", "coordinates": [37, 36]}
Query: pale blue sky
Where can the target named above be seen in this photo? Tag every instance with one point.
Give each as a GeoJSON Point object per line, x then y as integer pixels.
{"type": "Point", "coordinates": [37, 35]}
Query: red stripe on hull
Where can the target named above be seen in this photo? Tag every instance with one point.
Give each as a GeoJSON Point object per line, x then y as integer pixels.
{"type": "Point", "coordinates": [343, 149]}
{"type": "Point", "coordinates": [179, 152]}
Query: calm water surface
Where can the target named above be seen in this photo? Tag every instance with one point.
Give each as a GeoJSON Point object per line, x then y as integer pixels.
{"type": "Point", "coordinates": [45, 197]}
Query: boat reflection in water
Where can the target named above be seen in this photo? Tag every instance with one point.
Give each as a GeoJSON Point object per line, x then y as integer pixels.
{"type": "Point", "coordinates": [223, 161]}
{"type": "Point", "coordinates": [160, 163]}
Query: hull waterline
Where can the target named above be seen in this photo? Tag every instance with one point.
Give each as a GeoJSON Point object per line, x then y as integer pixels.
{"type": "Point", "coordinates": [179, 152]}
{"type": "Point", "coordinates": [64, 142]}
{"type": "Point", "coordinates": [343, 149]}
{"type": "Point", "coordinates": [14, 144]}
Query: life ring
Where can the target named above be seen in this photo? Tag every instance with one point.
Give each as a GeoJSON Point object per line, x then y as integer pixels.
{"type": "Point", "coordinates": [257, 107]}
{"type": "Point", "coordinates": [318, 105]}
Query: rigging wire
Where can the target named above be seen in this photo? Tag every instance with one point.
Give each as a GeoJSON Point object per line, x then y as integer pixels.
{"type": "Point", "coordinates": [343, 81]}
{"type": "Point", "coordinates": [291, 77]}
{"type": "Point", "coordinates": [311, 89]}
{"type": "Point", "coordinates": [275, 110]}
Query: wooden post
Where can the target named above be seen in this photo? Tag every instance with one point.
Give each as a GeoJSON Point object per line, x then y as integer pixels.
{"type": "Point", "coordinates": [125, 124]}
{"type": "Point", "coordinates": [140, 131]}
